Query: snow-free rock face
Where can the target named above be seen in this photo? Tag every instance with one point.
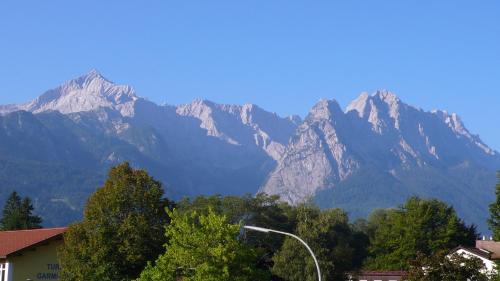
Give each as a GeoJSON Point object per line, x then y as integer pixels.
{"type": "Point", "coordinates": [247, 124]}
{"type": "Point", "coordinates": [334, 155]}
{"type": "Point", "coordinates": [315, 158]}
{"type": "Point", "coordinates": [382, 110]}
{"type": "Point", "coordinates": [86, 93]}
{"type": "Point", "coordinates": [376, 130]}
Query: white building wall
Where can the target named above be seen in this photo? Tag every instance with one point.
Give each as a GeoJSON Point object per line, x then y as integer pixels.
{"type": "Point", "coordinates": [489, 264]}
{"type": "Point", "coordinates": [8, 272]}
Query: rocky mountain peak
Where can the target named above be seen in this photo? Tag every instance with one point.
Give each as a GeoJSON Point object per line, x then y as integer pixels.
{"type": "Point", "coordinates": [381, 100]}
{"type": "Point", "coordinates": [387, 96]}
{"type": "Point", "coordinates": [94, 83]}
{"type": "Point", "coordinates": [382, 109]}
{"type": "Point", "coordinates": [92, 75]}
{"type": "Point", "coordinates": [85, 93]}
{"type": "Point", "coordinates": [325, 109]}
{"type": "Point", "coordinates": [199, 107]}
{"type": "Point", "coordinates": [360, 105]}
{"type": "Point", "coordinates": [455, 123]}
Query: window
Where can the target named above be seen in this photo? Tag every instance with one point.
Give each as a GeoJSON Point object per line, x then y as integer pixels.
{"type": "Point", "coordinates": [3, 269]}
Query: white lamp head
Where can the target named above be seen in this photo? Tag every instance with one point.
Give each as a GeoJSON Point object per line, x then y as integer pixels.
{"type": "Point", "coordinates": [256, 228]}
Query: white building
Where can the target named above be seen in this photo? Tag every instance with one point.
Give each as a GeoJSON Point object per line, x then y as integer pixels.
{"type": "Point", "coordinates": [486, 250]}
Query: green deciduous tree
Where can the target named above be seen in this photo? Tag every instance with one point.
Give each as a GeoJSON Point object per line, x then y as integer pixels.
{"type": "Point", "coordinates": [262, 210]}
{"type": "Point", "coordinates": [338, 249]}
{"type": "Point", "coordinates": [121, 231]}
{"type": "Point", "coordinates": [494, 220]}
{"type": "Point", "coordinates": [418, 226]}
{"type": "Point", "coordinates": [204, 247]}
{"type": "Point", "coordinates": [18, 214]}
{"type": "Point", "coordinates": [445, 267]}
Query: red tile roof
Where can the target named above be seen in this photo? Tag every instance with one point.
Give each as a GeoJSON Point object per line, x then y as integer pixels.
{"type": "Point", "coordinates": [14, 241]}
{"type": "Point", "coordinates": [384, 273]}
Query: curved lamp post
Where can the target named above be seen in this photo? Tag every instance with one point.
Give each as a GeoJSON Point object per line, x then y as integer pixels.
{"type": "Point", "coordinates": [266, 230]}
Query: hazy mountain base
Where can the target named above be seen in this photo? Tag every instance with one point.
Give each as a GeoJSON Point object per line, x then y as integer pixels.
{"type": "Point", "coordinates": [59, 160]}
{"type": "Point", "coordinates": [58, 191]}
{"type": "Point", "coordinates": [369, 189]}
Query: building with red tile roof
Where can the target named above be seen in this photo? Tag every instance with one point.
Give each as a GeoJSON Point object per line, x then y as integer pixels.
{"type": "Point", "coordinates": [12, 242]}
{"type": "Point", "coordinates": [30, 254]}
{"type": "Point", "coordinates": [382, 276]}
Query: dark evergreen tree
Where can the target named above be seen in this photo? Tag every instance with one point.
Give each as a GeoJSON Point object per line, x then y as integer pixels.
{"type": "Point", "coordinates": [18, 214]}
{"type": "Point", "coordinates": [494, 220]}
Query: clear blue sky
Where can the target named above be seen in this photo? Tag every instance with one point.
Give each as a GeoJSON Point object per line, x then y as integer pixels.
{"type": "Point", "coordinates": [281, 55]}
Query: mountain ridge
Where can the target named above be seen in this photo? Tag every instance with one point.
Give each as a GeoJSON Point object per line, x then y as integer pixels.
{"type": "Point", "coordinates": [381, 135]}
{"type": "Point", "coordinates": [204, 147]}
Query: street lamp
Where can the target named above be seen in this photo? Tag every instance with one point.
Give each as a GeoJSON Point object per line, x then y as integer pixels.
{"type": "Point", "coordinates": [266, 230]}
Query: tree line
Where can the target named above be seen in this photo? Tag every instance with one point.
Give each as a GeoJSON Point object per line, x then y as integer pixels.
{"type": "Point", "coordinates": [130, 231]}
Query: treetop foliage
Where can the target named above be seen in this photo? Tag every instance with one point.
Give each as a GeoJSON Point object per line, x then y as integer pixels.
{"type": "Point", "coordinates": [338, 248]}
{"type": "Point", "coordinates": [262, 210]}
{"type": "Point", "coordinates": [121, 231]}
{"type": "Point", "coordinates": [418, 226]}
{"type": "Point", "coordinates": [204, 247]}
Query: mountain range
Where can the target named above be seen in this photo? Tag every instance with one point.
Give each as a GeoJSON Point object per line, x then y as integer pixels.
{"type": "Point", "coordinates": [374, 154]}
